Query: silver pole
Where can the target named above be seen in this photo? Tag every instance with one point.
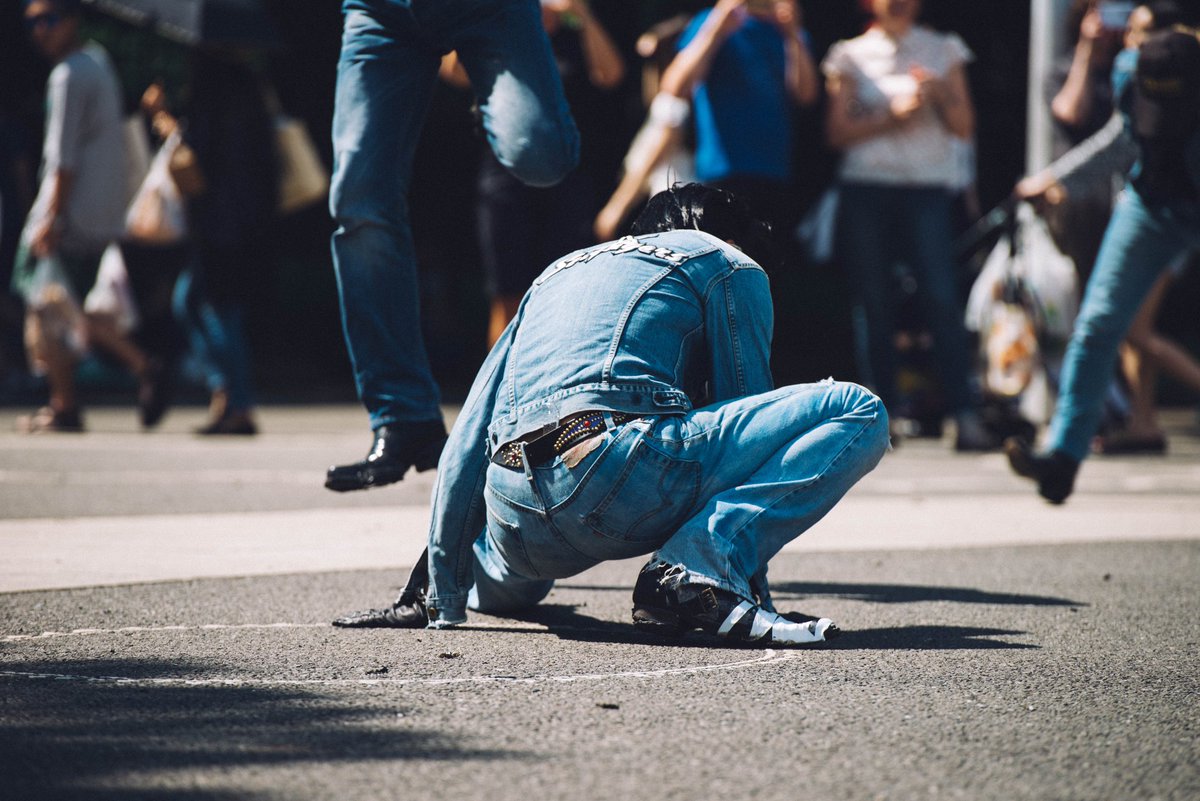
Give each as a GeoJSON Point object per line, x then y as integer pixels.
{"type": "Point", "coordinates": [1045, 38]}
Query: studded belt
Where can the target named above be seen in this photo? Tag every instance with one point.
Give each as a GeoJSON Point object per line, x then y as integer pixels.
{"type": "Point", "coordinates": [544, 445]}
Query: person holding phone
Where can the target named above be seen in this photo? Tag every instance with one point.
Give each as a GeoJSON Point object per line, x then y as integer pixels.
{"type": "Point", "coordinates": [746, 65]}
{"type": "Point", "coordinates": [899, 110]}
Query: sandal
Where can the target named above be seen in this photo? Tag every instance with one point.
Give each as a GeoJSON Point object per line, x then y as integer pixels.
{"type": "Point", "coordinates": [48, 419]}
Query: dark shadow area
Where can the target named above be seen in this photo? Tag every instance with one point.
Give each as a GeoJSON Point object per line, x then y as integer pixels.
{"type": "Point", "coordinates": [566, 623]}
{"type": "Point", "coordinates": [880, 593]}
{"type": "Point", "coordinates": [928, 638]}
{"type": "Point", "coordinates": [905, 593]}
{"type": "Point", "coordinates": [62, 738]}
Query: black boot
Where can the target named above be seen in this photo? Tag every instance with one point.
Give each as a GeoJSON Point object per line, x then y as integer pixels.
{"type": "Point", "coordinates": [664, 605]}
{"type": "Point", "coordinates": [1054, 472]}
{"type": "Point", "coordinates": [396, 448]}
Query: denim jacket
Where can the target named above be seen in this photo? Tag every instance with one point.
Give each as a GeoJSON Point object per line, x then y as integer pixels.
{"type": "Point", "coordinates": [647, 326]}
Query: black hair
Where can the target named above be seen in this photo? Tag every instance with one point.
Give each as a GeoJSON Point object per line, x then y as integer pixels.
{"type": "Point", "coordinates": [709, 209]}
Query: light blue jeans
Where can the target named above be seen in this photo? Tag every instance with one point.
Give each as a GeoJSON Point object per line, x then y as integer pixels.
{"type": "Point", "coordinates": [719, 490]}
{"type": "Point", "coordinates": [1141, 241]}
{"type": "Point", "coordinates": [216, 333]}
{"type": "Point", "coordinates": [386, 73]}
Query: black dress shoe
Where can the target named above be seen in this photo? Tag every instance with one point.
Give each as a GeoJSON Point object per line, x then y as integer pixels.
{"type": "Point", "coordinates": [396, 616]}
{"type": "Point", "coordinates": [1054, 472]}
{"type": "Point", "coordinates": [665, 606]}
{"type": "Point", "coordinates": [154, 393]}
{"type": "Point", "coordinates": [395, 449]}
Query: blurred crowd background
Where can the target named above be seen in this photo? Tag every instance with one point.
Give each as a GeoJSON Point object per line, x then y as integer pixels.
{"type": "Point", "coordinates": [297, 345]}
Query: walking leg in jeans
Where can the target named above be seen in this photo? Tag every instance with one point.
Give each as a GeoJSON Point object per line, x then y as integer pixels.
{"type": "Point", "coordinates": [385, 79]}
{"type": "Point", "coordinates": [1139, 244]}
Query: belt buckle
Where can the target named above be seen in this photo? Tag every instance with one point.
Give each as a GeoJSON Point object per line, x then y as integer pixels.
{"type": "Point", "coordinates": [510, 453]}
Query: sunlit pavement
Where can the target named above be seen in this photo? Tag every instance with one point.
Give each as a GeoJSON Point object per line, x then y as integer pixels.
{"type": "Point", "coordinates": [166, 601]}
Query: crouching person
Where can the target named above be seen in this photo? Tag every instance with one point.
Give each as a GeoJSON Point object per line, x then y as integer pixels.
{"type": "Point", "coordinates": [628, 410]}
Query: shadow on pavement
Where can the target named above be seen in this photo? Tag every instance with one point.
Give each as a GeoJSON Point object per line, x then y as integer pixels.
{"type": "Point", "coordinates": [881, 593]}
{"type": "Point", "coordinates": [564, 622]}
{"type": "Point", "coordinates": [67, 737]}
{"type": "Point", "coordinates": [928, 638]}
{"type": "Point", "coordinates": [905, 593]}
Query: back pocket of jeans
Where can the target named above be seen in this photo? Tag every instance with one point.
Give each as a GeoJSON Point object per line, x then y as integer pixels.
{"type": "Point", "coordinates": [650, 498]}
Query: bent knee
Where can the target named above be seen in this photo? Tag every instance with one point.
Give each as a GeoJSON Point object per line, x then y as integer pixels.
{"type": "Point", "coordinates": [860, 403]}
{"type": "Point", "coordinates": [541, 155]}
{"type": "Point", "coordinates": [858, 400]}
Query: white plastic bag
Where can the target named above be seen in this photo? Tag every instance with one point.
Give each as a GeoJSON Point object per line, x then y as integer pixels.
{"type": "Point", "coordinates": [1011, 347]}
{"type": "Point", "coordinates": [157, 215]}
{"type": "Point", "coordinates": [111, 294]}
{"type": "Point", "coordinates": [55, 318]}
{"type": "Point", "coordinates": [1041, 267]}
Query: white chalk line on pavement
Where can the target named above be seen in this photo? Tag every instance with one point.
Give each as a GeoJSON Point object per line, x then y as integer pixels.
{"type": "Point", "coordinates": [48, 635]}
{"type": "Point", "coordinates": [759, 659]}
{"type": "Point", "coordinates": [766, 656]}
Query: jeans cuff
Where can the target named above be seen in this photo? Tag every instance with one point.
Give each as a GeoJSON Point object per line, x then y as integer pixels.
{"type": "Point", "coordinates": [683, 575]}
{"type": "Point", "coordinates": [447, 610]}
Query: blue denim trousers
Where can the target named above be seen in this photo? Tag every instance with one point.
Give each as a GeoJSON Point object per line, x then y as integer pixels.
{"type": "Point", "coordinates": [1141, 241]}
{"type": "Point", "coordinates": [719, 491]}
{"type": "Point", "coordinates": [880, 226]}
{"type": "Point", "coordinates": [386, 74]}
{"type": "Point", "coordinates": [216, 333]}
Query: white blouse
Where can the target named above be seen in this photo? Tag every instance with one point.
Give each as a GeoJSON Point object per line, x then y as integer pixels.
{"type": "Point", "coordinates": [922, 153]}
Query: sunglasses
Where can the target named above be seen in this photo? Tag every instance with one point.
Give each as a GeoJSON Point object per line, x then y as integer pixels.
{"type": "Point", "coordinates": [49, 19]}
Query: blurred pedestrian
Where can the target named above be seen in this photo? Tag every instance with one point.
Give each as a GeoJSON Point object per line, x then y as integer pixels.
{"type": "Point", "coordinates": [1155, 222]}
{"type": "Point", "coordinates": [746, 66]}
{"type": "Point", "coordinates": [898, 104]}
{"type": "Point", "coordinates": [78, 213]}
{"type": "Point", "coordinates": [386, 74]}
{"type": "Point", "coordinates": [629, 410]}
{"type": "Point", "coordinates": [230, 132]}
{"type": "Point", "coordinates": [1098, 166]}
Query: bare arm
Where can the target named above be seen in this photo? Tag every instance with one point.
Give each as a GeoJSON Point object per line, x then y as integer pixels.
{"type": "Point", "coordinates": [1073, 103]}
{"type": "Point", "coordinates": [45, 237]}
{"type": "Point", "coordinates": [605, 66]}
{"type": "Point", "coordinates": [951, 99]}
{"type": "Point", "coordinates": [662, 137]}
{"type": "Point", "coordinates": [800, 74]}
{"type": "Point", "coordinates": [690, 67]}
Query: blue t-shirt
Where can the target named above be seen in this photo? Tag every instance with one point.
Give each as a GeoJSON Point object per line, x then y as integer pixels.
{"type": "Point", "coordinates": [742, 110]}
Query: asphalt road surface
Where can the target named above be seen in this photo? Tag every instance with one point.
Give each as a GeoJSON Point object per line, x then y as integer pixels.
{"type": "Point", "coordinates": [165, 605]}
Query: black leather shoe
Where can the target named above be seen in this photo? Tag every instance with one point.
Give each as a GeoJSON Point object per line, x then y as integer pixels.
{"type": "Point", "coordinates": [1054, 472]}
{"type": "Point", "coordinates": [395, 449]}
{"type": "Point", "coordinates": [154, 393]}
{"type": "Point", "coordinates": [665, 606]}
{"type": "Point", "coordinates": [397, 616]}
